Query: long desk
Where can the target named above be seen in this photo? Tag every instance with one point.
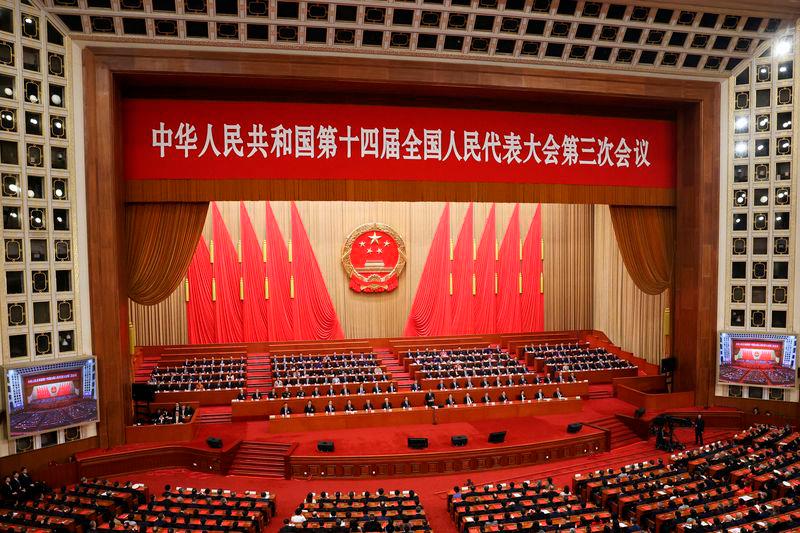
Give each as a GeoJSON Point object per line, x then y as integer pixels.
{"type": "Point", "coordinates": [421, 415]}
{"type": "Point", "coordinates": [255, 409]}
{"type": "Point", "coordinates": [432, 383]}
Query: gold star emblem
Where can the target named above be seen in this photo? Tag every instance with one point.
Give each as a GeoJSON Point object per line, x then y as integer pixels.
{"type": "Point", "coordinates": [374, 238]}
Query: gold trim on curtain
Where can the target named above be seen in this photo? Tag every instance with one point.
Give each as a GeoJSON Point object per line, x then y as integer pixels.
{"type": "Point", "coordinates": [646, 238]}
{"type": "Point", "coordinates": [161, 239]}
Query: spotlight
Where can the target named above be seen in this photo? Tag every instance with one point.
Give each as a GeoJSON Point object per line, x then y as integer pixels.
{"type": "Point", "coordinates": [30, 193]}
{"type": "Point", "coordinates": [13, 214]}
{"type": "Point", "coordinates": [763, 122]}
{"type": "Point", "coordinates": [13, 187]}
{"type": "Point", "coordinates": [738, 220]}
{"type": "Point", "coordinates": [783, 47]}
{"type": "Point", "coordinates": [59, 193]}
{"type": "Point", "coordinates": [763, 70]}
{"type": "Point", "coordinates": [8, 91]}
{"type": "Point", "coordinates": [28, 20]}
{"type": "Point", "coordinates": [764, 199]}
{"type": "Point", "coordinates": [33, 98]}
{"type": "Point", "coordinates": [34, 121]}
{"type": "Point", "coordinates": [56, 99]}
{"type": "Point", "coordinates": [741, 123]}
{"type": "Point", "coordinates": [778, 218]}
{"type": "Point", "coordinates": [787, 124]}
{"type": "Point", "coordinates": [741, 148]}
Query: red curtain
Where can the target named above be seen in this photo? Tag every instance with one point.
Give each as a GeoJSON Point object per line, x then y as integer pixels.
{"type": "Point", "coordinates": [430, 312]}
{"type": "Point", "coordinates": [255, 312]}
{"type": "Point", "coordinates": [484, 278]}
{"type": "Point", "coordinates": [227, 273]}
{"type": "Point", "coordinates": [314, 315]}
{"type": "Point", "coordinates": [532, 297]}
{"type": "Point", "coordinates": [200, 321]}
{"type": "Point", "coordinates": [280, 304]}
{"type": "Point", "coordinates": [463, 270]}
{"type": "Point", "coordinates": [508, 271]}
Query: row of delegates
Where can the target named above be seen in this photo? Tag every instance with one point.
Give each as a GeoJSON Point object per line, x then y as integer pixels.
{"type": "Point", "coordinates": [430, 401]}
{"type": "Point", "coordinates": [345, 391]}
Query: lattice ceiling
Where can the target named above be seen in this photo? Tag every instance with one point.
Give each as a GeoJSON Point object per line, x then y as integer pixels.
{"type": "Point", "coordinates": [640, 37]}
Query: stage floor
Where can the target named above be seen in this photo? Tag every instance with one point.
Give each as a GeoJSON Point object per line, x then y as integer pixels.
{"type": "Point", "coordinates": [392, 440]}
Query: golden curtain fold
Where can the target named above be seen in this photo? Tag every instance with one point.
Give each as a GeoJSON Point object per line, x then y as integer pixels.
{"type": "Point", "coordinates": [646, 239]}
{"type": "Point", "coordinates": [161, 239]}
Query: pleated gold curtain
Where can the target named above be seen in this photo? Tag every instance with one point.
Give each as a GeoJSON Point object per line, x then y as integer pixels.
{"type": "Point", "coordinates": [646, 238]}
{"type": "Point", "coordinates": [161, 239]}
{"type": "Point", "coordinates": [631, 318]}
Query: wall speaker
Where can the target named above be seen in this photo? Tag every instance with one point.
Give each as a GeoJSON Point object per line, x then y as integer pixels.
{"type": "Point", "coordinates": [214, 442]}
{"type": "Point", "coordinates": [574, 427]}
{"type": "Point", "coordinates": [639, 413]}
{"type": "Point", "coordinates": [459, 440]}
{"type": "Point", "coordinates": [668, 364]}
{"type": "Point", "coordinates": [417, 443]}
{"type": "Point", "coordinates": [325, 445]}
{"type": "Point", "coordinates": [497, 437]}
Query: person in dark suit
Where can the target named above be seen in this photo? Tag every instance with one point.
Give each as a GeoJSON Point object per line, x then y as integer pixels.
{"type": "Point", "coordinates": [376, 389]}
{"type": "Point", "coordinates": [406, 403]}
{"type": "Point", "coordinates": [468, 400]}
{"type": "Point", "coordinates": [386, 405]}
{"type": "Point", "coordinates": [415, 387]}
{"type": "Point", "coordinates": [539, 395]}
{"type": "Point", "coordinates": [430, 399]}
{"type": "Point", "coordinates": [450, 401]}
{"type": "Point", "coordinates": [699, 428]}
{"type": "Point", "coordinates": [286, 410]}
{"type": "Point", "coordinates": [440, 385]}
{"type": "Point", "coordinates": [301, 393]}
{"type": "Point", "coordinates": [391, 388]}
{"type": "Point", "coordinates": [310, 409]}
{"type": "Point", "coordinates": [522, 397]}
{"type": "Point", "coordinates": [257, 395]}
{"type": "Point", "coordinates": [349, 408]}
{"type": "Point", "coordinates": [557, 394]}
{"type": "Point", "coordinates": [330, 408]}
{"type": "Point", "coordinates": [503, 398]}
{"type": "Point", "coordinates": [368, 406]}
{"type": "Point", "coordinates": [486, 398]}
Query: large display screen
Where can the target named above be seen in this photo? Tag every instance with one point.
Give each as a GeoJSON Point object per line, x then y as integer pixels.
{"type": "Point", "coordinates": [50, 396]}
{"type": "Point", "coordinates": [758, 360]}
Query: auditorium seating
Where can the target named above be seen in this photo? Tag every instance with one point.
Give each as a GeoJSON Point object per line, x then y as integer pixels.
{"type": "Point", "coordinates": [179, 414]}
{"type": "Point", "coordinates": [748, 482]}
{"type": "Point", "coordinates": [332, 511]}
{"type": "Point", "coordinates": [78, 508]}
{"type": "Point", "coordinates": [328, 374]}
{"type": "Point", "coordinates": [187, 509]}
{"type": "Point", "coordinates": [580, 359]}
{"type": "Point", "coordinates": [206, 373]}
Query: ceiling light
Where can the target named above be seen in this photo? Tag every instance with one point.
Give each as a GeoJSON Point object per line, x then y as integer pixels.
{"type": "Point", "coordinates": [783, 47]}
{"type": "Point", "coordinates": [56, 99]}
{"type": "Point", "coordinates": [13, 187]}
{"type": "Point", "coordinates": [59, 193]}
{"type": "Point", "coordinates": [778, 218]}
{"type": "Point", "coordinates": [741, 123]}
{"type": "Point", "coordinates": [741, 148]}
{"type": "Point", "coordinates": [33, 98]}
{"type": "Point", "coordinates": [764, 199]}
{"type": "Point", "coordinates": [782, 68]}
{"type": "Point", "coordinates": [8, 91]}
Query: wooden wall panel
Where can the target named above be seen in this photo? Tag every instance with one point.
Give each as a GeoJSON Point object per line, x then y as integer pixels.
{"type": "Point", "coordinates": [632, 319]}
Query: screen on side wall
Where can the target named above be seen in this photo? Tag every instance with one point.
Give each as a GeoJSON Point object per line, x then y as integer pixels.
{"type": "Point", "coordinates": [49, 396]}
{"type": "Point", "coordinates": [757, 360]}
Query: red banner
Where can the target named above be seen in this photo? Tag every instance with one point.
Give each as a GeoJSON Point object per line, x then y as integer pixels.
{"type": "Point", "coordinates": [189, 139]}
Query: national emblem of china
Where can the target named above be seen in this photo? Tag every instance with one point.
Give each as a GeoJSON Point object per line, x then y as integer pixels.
{"type": "Point", "coordinates": [373, 256]}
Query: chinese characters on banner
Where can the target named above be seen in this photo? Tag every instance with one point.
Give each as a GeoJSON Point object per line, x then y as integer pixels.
{"type": "Point", "coordinates": [259, 140]}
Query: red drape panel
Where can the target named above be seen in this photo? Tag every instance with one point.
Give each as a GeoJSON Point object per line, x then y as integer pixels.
{"type": "Point", "coordinates": [532, 268]}
{"type": "Point", "coordinates": [484, 279]}
{"type": "Point", "coordinates": [430, 312]}
{"type": "Point", "coordinates": [280, 304]}
{"type": "Point", "coordinates": [314, 315]}
{"type": "Point", "coordinates": [200, 321]}
{"type": "Point", "coordinates": [227, 273]}
{"type": "Point", "coordinates": [508, 269]}
{"type": "Point", "coordinates": [255, 313]}
{"type": "Point", "coordinates": [463, 270]}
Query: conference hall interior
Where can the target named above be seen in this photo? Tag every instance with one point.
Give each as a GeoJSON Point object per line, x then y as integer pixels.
{"type": "Point", "coordinates": [462, 266]}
